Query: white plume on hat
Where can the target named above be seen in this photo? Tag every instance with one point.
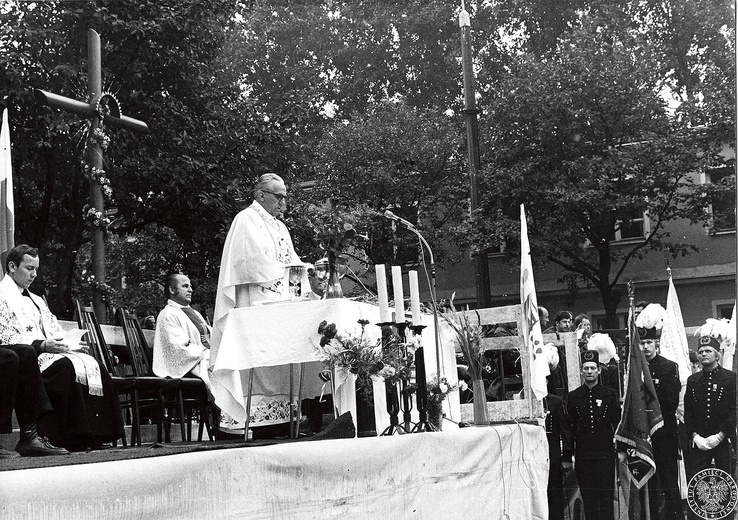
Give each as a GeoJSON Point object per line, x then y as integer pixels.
{"type": "Point", "coordinates": [718, 329]}
{"type": "Point", "coordinates": [604, 346]}
{"type": "Point", "coordinates": [652, 316]}
{"type": "Point", "coordinates": [552, 355]}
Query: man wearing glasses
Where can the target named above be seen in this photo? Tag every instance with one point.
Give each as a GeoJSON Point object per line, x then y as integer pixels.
{"type": "Point", "coordinates": [256, 251]}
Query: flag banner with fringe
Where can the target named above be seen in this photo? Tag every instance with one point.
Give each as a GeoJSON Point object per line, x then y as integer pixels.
{"type": "Point", "coordinates": [641, 413]}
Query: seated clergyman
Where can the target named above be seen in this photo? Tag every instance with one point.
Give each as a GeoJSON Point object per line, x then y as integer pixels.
{"type": "Point", "coordinates": [182, 337]}
{"type": "Point", "coordinates": [84, 408]}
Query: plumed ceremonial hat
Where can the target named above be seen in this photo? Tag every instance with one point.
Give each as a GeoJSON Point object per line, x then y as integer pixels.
{"type": "Point", "coordinates": [650, 321]}
{"type": "Point", "coordinates": [589, 356]}
{"type": "Point", "coordinates": [603, 345]}
{"type": "Point", "coordinates": [713, 333]}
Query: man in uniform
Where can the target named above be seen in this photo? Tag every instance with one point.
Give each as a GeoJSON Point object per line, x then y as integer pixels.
{"type": "Point", "coordinates": [594, 414]}
{"type": "Point", "coordinates": [709, 409]}
{"type": "Point", "coordinates": [665, 440]}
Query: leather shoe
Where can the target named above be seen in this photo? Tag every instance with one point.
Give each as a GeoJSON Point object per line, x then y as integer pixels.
{"type": "Point", "coordinates": [39, 447]}
{"type": "Point", "coordinates": [8, 454]}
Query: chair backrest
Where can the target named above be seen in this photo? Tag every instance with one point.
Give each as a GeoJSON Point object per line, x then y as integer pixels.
{"type": "Point", "coordinates": [87, 320]}
{"type": "Point", "coordinates": [136, 342]}
{"type": "Point", "coordinates": [528, 407]}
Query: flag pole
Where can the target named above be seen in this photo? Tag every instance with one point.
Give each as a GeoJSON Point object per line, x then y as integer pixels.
{"type": "Point", "coordinates": [7, 217]}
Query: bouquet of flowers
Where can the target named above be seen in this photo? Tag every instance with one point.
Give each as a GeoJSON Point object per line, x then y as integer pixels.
{"type": "Point", "coordinates": [365, 359]}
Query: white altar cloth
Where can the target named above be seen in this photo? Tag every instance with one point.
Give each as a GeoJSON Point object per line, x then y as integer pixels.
{"type": "Point", "coordinates": [287, 332]}
{"type": "Point", "coordinates": [479, 472]}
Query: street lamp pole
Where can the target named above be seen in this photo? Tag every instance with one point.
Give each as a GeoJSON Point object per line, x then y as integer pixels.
{"type": "Point", "coordinates": [484, 296]}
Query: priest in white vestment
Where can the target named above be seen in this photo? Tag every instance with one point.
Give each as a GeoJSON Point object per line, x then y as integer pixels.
{"type": "Point", "coordinates": [257, 251]}
{"type": "Point", "coordinates": [85, 406]}
{"type": "Point", "coordinates": [182, 336]}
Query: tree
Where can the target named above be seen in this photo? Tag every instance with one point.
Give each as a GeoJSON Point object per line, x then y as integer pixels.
{"type": "Point", "coordinates": [164, 62]}
{"type": "Point", "coordinates": [393, 157]}
{"type": "Point", "coordinates": [584, 137]}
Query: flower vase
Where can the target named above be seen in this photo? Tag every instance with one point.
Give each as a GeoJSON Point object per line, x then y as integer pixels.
{"type": "Point", "coordinates": [481, 415]}
{"type": "Point", "coordinates": [366, 425]}
{"type": "Point", "coordinates": [333, 289]}
{"type": "Point", "coordinates": [435, 414]}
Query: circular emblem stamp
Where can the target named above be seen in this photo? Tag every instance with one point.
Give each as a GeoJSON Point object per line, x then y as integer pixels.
{"type": "Point", "coordinates": [712, 494]}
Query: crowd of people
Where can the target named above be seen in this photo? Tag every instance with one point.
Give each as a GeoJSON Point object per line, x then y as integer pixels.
{"type": "Point", "coordinates": [581, 424]}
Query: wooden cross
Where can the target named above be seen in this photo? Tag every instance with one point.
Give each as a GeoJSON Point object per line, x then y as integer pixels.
{"type": "Point", "coordinates": [89, 110]}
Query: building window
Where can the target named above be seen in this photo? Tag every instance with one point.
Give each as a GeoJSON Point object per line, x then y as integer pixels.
{"type": "Point", "coordinates": [634, 228]}
{"type": "Point", "coordinates": [724, 310]}
{"type": "Point", "coordinates": [722, 209]}
{"type": "Point", "coordinates": [599, 322]}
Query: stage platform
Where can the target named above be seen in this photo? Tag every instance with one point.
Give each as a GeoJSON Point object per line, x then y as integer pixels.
{"type": "Point", "coordinates": [475, 472]}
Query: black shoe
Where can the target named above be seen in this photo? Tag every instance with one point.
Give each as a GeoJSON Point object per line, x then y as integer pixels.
{"type": "Point", "coordinates": [38, 447]}
{"type": "Point", "coordinates": [8, 454]}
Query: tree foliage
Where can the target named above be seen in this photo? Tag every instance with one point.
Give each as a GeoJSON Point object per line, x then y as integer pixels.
{"type": "Point", "coordinates": [584, 137]}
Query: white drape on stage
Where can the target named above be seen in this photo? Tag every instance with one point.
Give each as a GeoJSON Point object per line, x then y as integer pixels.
{"type": "Point", "coordinates": [478, 472]}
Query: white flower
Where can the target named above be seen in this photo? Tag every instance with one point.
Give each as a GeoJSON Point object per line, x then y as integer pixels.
{"type": "Point", "coordinates": [463, 386]}
{"type": "Point", "coordinates": [443, 387]}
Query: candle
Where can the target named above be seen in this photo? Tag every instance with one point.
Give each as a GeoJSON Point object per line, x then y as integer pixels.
{"type": "Point", "coordinates": [399, 296]}
{"type": "Point", "coordinates": [384, 312]}
{"type": "Point", "coordinates": [414, 296]}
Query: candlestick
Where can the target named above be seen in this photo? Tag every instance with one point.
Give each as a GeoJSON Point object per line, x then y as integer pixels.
{"type": "Point", "coordinates": [414, 296]}
{"type": "Point", "coordinates": [399, 296]}
{"type": "Point", "coordinates": [384, 312]}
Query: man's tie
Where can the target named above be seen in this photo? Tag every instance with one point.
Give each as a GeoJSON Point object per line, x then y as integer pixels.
{"type": "Point", "coordinates": [28, 295]}
{"type": "Point", "coordinates": [195, 319]}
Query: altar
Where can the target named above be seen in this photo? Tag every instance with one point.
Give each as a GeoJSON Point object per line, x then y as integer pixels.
{"type": "Point", "coordinates": [284, 333]}
{"type": "Point", "coordinates": [477, 472]}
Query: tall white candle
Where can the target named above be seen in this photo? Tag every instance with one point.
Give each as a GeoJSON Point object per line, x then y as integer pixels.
{"type": "Point", "coordinates": [384, 312]}
{"type": "Point", "coordinates": [398, 294]}
{"type": "Point", "coordinates": [414, 296]}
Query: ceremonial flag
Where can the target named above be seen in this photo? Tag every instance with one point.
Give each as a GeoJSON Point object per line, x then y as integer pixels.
{"type": "Point", "coordinates": [7, 219]}
{"type": "Point", "coordinates": [641, 412]}
{"type": "Point", "coordinates": [532, 334]}
{"type": "Point", "coordinates": [673, 342]}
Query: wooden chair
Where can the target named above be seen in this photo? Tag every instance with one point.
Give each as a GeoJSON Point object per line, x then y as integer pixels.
{"type": "Point", "coordinates": [193, 390]}
{"type": "Point", "coordinates": [146, 391]}
{"type": "Point", "coordinates": [123, 387]}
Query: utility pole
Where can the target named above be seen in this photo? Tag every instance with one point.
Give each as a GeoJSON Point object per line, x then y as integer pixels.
{"type": "Point", "coordinates": [484, 296]}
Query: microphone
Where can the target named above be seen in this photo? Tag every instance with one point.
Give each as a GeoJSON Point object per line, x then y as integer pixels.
{"type": "Point", "coordinates": [388, 214]}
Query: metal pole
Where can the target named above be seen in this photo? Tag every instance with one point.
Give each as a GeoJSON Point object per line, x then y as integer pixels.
{"type": "Point", "coordinates": [735, 216]}
{"type": "Point", "coordinates": [95, 160]}
{"type": "Point", "coordinates": [472, 140]}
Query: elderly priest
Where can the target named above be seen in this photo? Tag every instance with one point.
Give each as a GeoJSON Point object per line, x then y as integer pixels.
{"type": "Point", "coordinates": [254, 268]}
{"type": "Point", "coordinates": [85, 412]}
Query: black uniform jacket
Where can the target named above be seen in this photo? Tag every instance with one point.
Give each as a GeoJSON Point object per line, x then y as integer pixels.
{"type": "Point", "coordinates": [594, 414]}
{"type": "Point", "coordinates": [558, 431]}
{"type": "Point", "coordinates": [709, 404]}
{"type": "Point", "coordinates": [665, 376]}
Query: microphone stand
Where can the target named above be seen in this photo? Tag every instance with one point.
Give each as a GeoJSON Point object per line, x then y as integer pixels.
{"type": "Point", "coordinates": [431, 286]}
